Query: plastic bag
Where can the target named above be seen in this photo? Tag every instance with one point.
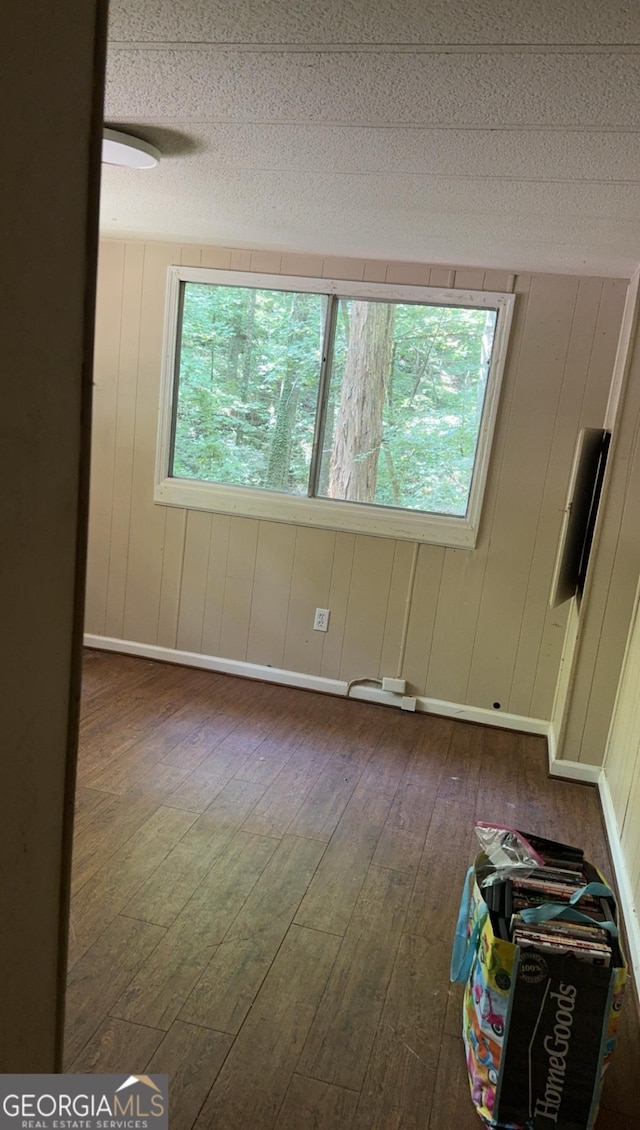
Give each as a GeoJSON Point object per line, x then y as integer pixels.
{"type": "Point", "coordinates": [508, 853]}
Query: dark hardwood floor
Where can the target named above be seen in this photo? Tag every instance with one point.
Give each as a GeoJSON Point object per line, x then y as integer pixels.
{"type": "Point", "coordinates": [265, 890]}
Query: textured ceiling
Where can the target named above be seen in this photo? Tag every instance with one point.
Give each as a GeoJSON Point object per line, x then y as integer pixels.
{"type": "Point", "coordinates": [496, 133]}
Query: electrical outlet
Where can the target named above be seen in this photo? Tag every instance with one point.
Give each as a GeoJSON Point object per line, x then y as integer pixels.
{"type": "Point", "coordinates": [321, 620]}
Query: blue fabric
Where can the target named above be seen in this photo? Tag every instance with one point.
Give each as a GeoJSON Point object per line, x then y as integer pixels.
{"type": "Point", "coordinates": [567, 911]}
{"type": "Point", "coordinates": [465, 945]}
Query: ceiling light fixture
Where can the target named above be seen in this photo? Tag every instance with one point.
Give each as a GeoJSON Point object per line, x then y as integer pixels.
{"type": "Point", "coordinates": [123, 149]}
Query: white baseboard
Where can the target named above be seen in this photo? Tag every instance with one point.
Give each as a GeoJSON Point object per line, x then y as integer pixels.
{"type": "Point", "coordinates": [363, 692]}
{"type": "Point", "coordinates": [627, 905]}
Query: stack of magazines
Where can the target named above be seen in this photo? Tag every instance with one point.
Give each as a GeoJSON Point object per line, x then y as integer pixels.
{"type": "Point", "coordinates": [563, 871]}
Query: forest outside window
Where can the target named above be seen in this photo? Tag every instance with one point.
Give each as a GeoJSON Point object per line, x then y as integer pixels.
{"type": "Point", "coordinates": [361, 407]}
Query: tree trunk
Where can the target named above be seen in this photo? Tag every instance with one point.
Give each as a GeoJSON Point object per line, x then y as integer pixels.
{"type": "Point", "coordinates": [358, 433]}
{"type": "Point", "coordinates": [278, 466]}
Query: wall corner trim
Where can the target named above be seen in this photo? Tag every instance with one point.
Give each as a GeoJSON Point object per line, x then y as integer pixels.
{"type": "Point", "coordinates": [627, 905]}
{"type": "Point", "coordinates": [569, 770]}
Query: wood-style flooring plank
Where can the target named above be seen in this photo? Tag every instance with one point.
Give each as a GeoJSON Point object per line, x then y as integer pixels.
{"type": "Point", "coordinates": [452, 1105]}
{"type": "Point", "coordinates": [277, 808]}
{"type": "Point", "coordinates": [109, 677]}
{"type": "Point", "coordinates": [619, 1090]}
{"type": "Point", "coordinates": [176, 742]}
{"type": "Point", "coordinates": [228, 757]}
{"type": "Point", "coordinates": [322, 808]}
{"type": "Point", "coordinates": [310, 1104]}
{"type": "Point", "coordinates": [447, 852]}
{"type": "Point", "coordinates": [112, 886]}
{"type": "Point", "coordinates": [110, 731]}
{"type": "Point", "coordinates": [90, 803]}
{"type": "Point", "coordinates": [333, 893]}
{"type": "Point", "coordinates": [97, 980]}
{"type": "Point", "coordinates": [118, 1046]}
{"type": "Point", "coordinates": [252, 1084]}
{"type": "Point", "coordinates": [403, 836]}
{"type": "Point", "coordinates": [402, 839]}
{"type": "Point", "coordinates": [228, 986]}
{"type": "Point", "coordinates": [155, 996]}
{"type": "Point", "coordinates": [161, 898]}
{"type": "Point", "coordinates": [278, 747]}
{"type": "Point", "coordinates": [399, 1083]}
{"type": "Point", "coordinates": [192, 1058]}
{"type": "Point", "coordinates": [224, 711]}
{"type": "Point", "coordinates": [111, 825]}
{"type": "Point", "coordinates": [507, 760]}
{"type": "Point", "coordinates": [462, 769]}
{"type": "Point", "coordinates": [341, 1037]}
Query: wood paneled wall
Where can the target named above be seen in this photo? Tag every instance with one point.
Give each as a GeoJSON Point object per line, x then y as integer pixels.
{"type": "Point", "coordinates": [480, 630]}
{"type": "Point", "coordinates": [622, 763]}
{"type": "Point", "coordinates": [614, 569]}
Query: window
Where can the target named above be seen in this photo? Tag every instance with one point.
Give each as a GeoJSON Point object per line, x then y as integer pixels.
{"type": "Point", "coordinates": [362, 407]}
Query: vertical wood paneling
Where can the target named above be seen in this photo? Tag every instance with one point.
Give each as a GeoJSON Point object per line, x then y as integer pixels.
{"type": "Point", "coordinates": [310, 265]}
{"type": "Point", "coordinates": [409, 274]}
{"type": "Point", "coordinates": [125, 425]}
{"type": "Point", "coordinates": [611, 580]}
{"type": "Point", "coordinates": [455, 619]}
{"type": "Point", "coordinates": [146, 541]}
{"type": "Point", "coordinates": [195, 574]}
{"type": "Point", "coordinates": [310, 588]}
{"type": "Point", "coordinates": [175, 530]}
{"type": "Point", "coordinates": [614, 568]}
{"type": "Point", "coordinates": [375, 272]}
{"type": "Point", "coordinates": [441, 276]}
{"type": "Point", "coordinates": [624, 738]}
{"type": "Point", "coordinates": [600, 333]}
{"type": "Point", "coordinates": [499, 280]}
{"type": "Point", "coordinates": [337, 268]}
{"type": "Point", "coordinates": [238, 589]}
{"type": "Point", "coordinates": [271, 588]}
{"type": "Point", "coordinates": [341, 574]}
{"type": "Point", "coordinates": [396, 607]}
{"type": "Point", "coordinates": [537, 615]}
{"type": "Point", "coordinates": [566, 665]}
{"type": "Point", "coordinates": [191, 255]}
{"type": "Point", "coordinates": [266, 262]}
{"type": "Point", "coordinates": [216, 257]}
{"type": "Point", "coordinates": [367, 607]}
{"type": "Point", "coordinates": [469, 278]}
{"type": "Point", "coordinates": [214, 591]}
{"type": "Point", "coordinates": [536, 395]}
{"type": "Point", "coordinates": [479, 630]}
{"type": "Point", "coordinates": [424, 604]}
{"type": "Point", "coordinates": [105, 402]}
{"type": "Point", "coordinates": [240, 260]}
{"type": "Point", "coordinates": [630, 833]}
{"type": "Point", "coordinates": [604, 347]}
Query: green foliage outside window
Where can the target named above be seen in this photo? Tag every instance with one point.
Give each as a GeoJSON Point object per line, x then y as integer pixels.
{"type": "Point", "coordinates": [403, 399]}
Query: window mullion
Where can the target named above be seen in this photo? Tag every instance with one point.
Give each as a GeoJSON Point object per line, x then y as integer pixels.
{"type": "Point", "coordinates": [176, 377]}
{"type": "Point", "coordinates": [323, 388]}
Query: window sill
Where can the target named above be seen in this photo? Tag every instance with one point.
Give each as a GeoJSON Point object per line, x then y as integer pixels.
{"type": "Point", "coordinates": [352, 517]}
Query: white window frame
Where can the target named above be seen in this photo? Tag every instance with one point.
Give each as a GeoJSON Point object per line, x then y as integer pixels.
{"type": "Point", "coordinates": [355, 517]}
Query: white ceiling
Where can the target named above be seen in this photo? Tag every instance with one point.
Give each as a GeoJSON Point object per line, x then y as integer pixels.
{"type": "Point", "coordinates": [500, 133]}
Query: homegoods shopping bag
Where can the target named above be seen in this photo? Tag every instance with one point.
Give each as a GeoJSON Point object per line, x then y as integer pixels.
{"type": "Point", "coordinates": [538, 1029]}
